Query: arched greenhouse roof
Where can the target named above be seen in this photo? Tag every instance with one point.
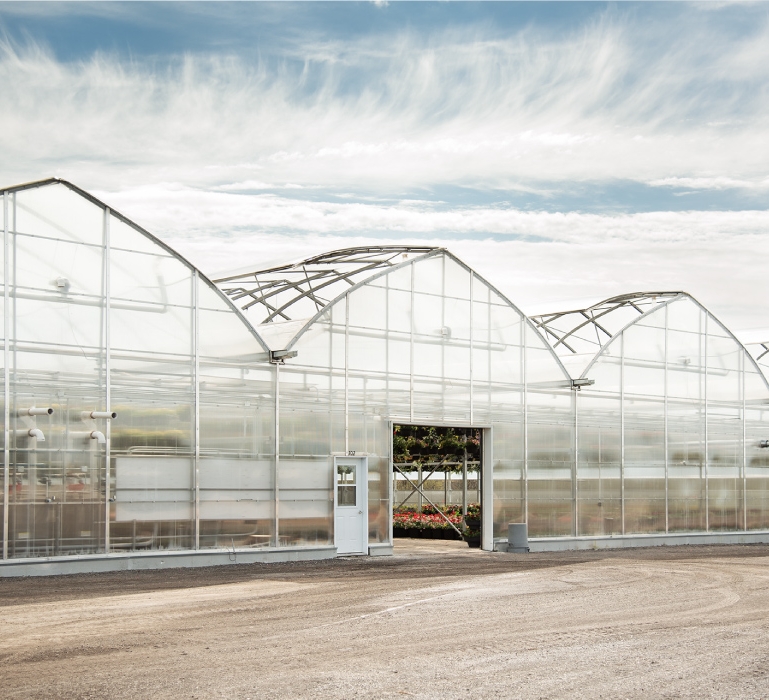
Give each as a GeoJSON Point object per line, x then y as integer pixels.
{"type": "Point", "coordinates": [586, 331]}
{"type": "Point", "coordinates": [646, 305]}
{"type": "Point", "coordinates": [300, 290]}
{"type": "Point", "coordinates": [53, 182]}
{"type": "Point", "coordinates": [294, 296]}
{"type": "Point", "coordinates": [580, 336]}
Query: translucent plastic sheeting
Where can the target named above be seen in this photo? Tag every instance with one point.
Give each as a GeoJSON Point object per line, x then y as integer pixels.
{"type": "Point", "coordinates": [431, 342]}
{"type": "Point", "coordinates": [102, 316]}
{"type": "Point", "coordinates": [677, 391]}
{"type": "Point", "coordinates": [216, 446]}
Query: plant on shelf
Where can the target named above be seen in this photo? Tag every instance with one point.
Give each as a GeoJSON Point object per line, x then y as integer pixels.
{"type": "Point", "coordinates": [472, 531]}
{"type": "Point", "coordinates": [472, 537]}
{"type": "Point", "coordinates": [413, 444]}
{"type": "Point", "coordinates": [407, 522]}
{"type": "Point", "coordinates": [473, 517]}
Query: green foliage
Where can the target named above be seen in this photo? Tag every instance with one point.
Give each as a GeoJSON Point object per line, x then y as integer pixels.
{"type": "Point", "coordinates": [474, 510]}
{"type": "Point", "coordinates": [419, 444]}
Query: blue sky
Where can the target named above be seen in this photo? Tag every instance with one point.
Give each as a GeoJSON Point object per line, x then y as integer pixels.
{"type": "Point", "coordinates": [568, 151]}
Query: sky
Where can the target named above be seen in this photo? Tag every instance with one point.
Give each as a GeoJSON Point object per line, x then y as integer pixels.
{"type": "Point", "coordinates": [568, 152]}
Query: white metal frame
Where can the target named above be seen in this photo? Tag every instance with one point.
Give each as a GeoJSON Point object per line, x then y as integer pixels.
{"type": "Point", "coordinates": [486, 472]}
{"type": "Point", "coordinates": [361, 490]}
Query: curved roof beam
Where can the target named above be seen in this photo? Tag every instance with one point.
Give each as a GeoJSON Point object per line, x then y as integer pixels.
{"type": "Point", "coordinates": [279, 289]}
{"type": "Point", "coordinates": [637, 301]}
{"type": "Point", "coordinates": [411, 261]}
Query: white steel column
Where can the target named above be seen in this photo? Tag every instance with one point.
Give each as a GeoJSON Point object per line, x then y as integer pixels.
{"type": "Point", "coordinates": [705, 461]}
{"type": "Point", "coordinates": [196, 389]}
{"type": "Point", "coordinates": [276, 472]}
{"type": "Point", "coordinates": [411, 351]}
{"type": "Point", "coordinates": [6, 377]}
{"type": "Point", "coordinates": [472, 279]}
{"type": "Point", "coordinates": [525, 400]}
{"type": "Point", "coordinates": [346, 374]}
{"type": "Point", "coordinates": [107, 377]}
{"type": "Point", "coordinates": [486, 474]}
{"type": "Point", "coordinates": [443, 338]}
{"type": "Point", "coordinates": [391, 486]}
{"type": "Point", "coordinates": [665, 425]}
{"type": "Point", "coordinates": [744, 450]}
{"type": "Point", "coordinates": [575, 473]}
{"type": "Point", "coordinates": [622, 429]}
{"type": "Point", "coordinates": [387, 357]}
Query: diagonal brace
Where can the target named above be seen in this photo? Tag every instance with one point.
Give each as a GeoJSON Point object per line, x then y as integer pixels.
{"type": "Point", "coordinates": [424, 495]}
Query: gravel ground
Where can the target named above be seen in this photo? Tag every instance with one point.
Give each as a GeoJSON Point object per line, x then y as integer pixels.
{"type": "Point", "coordinates": [436, 620]}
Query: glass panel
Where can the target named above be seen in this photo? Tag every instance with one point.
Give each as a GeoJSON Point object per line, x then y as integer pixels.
{"type": "Point", "coordinates": [58, 213]}
{"type": "Point", "coordinates": [346, 485]}
{"type": "Point", "coordinates": [599, 487]}
{"type": "Point", "coordinates": [399, 311]}
{"type": "Point", "coordinates": [509, 484]}
{"type": "Point", "coordinates": [57, 499]}
{"type": "Point", "coordinates": [428, 276]}
{"type": "Point", "coordinates": [686, 453]}
{"type": "Point", "coordinates": [237, 430]}
{"type": "Point", "coordinates": [685, 316]}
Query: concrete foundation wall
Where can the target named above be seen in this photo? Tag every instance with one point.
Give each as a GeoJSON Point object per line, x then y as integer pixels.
{"type": "Point", "coordinates": [559, 544]}
{"type": "Point", "coordinates": [158, 560]}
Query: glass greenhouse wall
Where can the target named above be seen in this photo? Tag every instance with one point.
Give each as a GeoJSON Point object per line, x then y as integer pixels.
{"type": "Point", "coordinates": [641, 415]}
{"type": "Point", "coordinates": [670, 433]}
{"type": "Point", "coordinates": [428, 341]}
{"type": "Point", "coordinates": [100, 317]}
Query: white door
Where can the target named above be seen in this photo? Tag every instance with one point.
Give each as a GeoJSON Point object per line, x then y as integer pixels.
{"type": "Point", "coordinates": [351, 505]}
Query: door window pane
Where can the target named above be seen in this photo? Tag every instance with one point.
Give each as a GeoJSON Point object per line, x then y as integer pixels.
{"type": "Point", "coordinates": [345, 485]}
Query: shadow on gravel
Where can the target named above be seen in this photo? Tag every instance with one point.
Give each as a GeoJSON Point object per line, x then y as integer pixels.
{"type": "Point", "coordinates": [19, 591]}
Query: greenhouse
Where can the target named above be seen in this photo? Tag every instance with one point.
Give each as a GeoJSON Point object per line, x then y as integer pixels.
{"type": "Point", "coordinates": [155, 417]}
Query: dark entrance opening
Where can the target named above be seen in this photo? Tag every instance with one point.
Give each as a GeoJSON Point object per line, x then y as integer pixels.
{"type": "Point", "coordinates": [437, 482]}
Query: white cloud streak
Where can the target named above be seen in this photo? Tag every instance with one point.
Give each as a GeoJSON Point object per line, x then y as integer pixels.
{"type": "Point", "coordinates": [232, 160]}
{"type": "Point", "coordinates": [405, 111]}
{"type": "Point", "coordinates": [177, 210]}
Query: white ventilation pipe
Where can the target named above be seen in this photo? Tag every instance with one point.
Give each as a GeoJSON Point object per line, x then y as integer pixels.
{"type": "Point", "coordinates": [98, 436]}
{"type": "Point", "coordinates": [35, 411]}
{"type": "Point", "coordinates": [109, 415]}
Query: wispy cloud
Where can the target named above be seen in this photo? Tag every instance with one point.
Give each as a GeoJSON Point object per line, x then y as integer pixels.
{"type": "Point", "coordinates": [407, 111]}
{"type": "Point", "coordinates": [711, 183]}
{"type": "Point", "coordinates": [329, 142]}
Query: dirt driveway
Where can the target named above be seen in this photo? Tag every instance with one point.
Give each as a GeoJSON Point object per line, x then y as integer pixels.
{"type": "Point", "coordinates": [435, 621]}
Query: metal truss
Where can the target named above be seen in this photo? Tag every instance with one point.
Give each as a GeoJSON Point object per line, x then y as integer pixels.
{"type": "Point", "coordinates": [302, 289]}
{"type": "Point", "coordinates": [588, 330]}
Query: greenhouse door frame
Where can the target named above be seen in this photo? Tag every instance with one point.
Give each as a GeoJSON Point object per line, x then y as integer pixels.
{"type": "Point", "coordinates": [351, 514]}
{"type": "Point", "coordinates": [487, 476]}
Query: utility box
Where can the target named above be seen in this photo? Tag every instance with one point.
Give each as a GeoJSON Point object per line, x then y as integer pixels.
{"type": "Point", "coordinates": [517, 537]}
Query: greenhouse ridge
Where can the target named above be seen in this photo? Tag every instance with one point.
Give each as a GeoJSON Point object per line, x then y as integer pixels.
{"type": "Point", "coordinates": [254, 413]}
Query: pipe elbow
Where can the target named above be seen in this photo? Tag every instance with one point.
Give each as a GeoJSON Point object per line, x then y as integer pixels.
{"type": "Point", "coordinates": [98, 436]}
{"type": "Point", "coordinates": [36, 433]}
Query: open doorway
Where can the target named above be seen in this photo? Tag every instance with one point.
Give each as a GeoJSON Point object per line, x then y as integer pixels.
{"type": "Point", "coordinates": [437, 489]}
